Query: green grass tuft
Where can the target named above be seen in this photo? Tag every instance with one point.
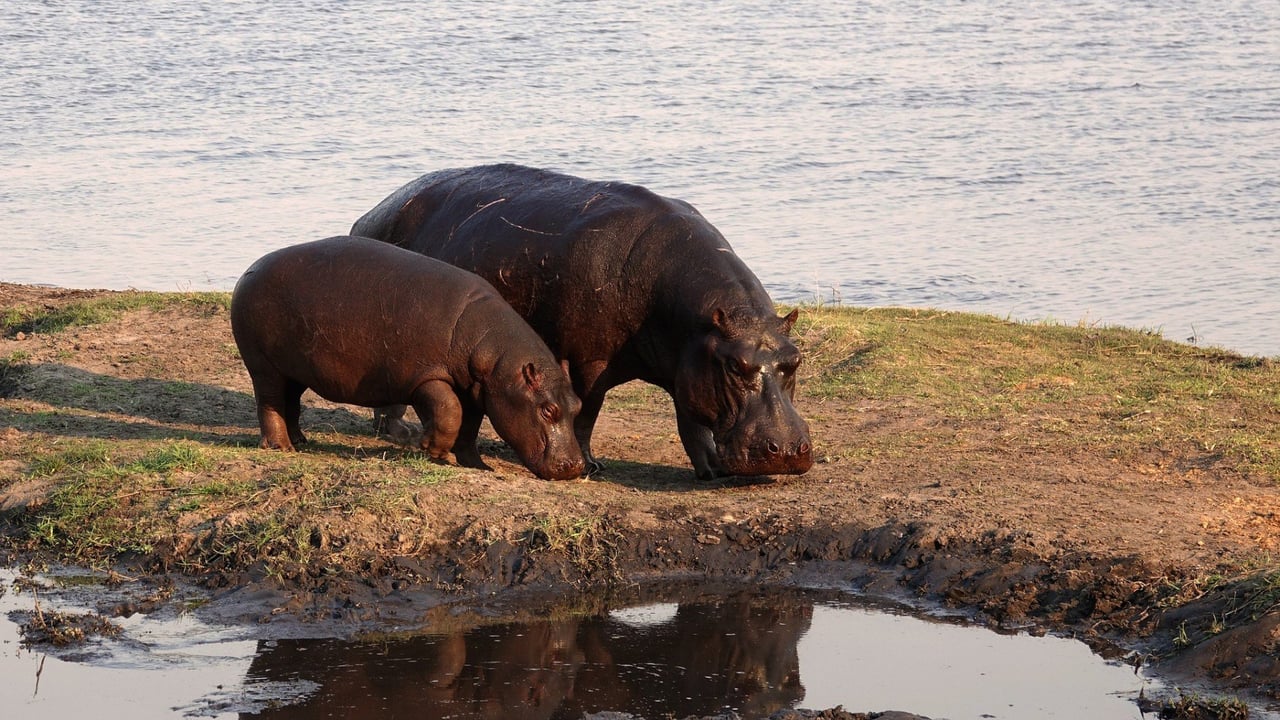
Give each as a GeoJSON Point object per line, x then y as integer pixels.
{"type": "Point", "coordinates": [90, 456]}
{"type": "Point", "coordinates": [176, 456]}
{"type": "Point", "coordinates": [104, 309]}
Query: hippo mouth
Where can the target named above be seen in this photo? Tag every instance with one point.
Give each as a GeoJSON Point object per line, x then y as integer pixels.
{"type": "Point", "coordinates": [767, 458]}
{"type": "Point", "coordinates": [551, 466]}
{"type": "Point", "coordinates": [567, 470]}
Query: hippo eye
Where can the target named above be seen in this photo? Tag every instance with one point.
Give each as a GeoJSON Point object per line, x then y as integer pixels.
{"type": "Point", "coordinates": [549, 412]}
{"type": "Point", "coordinates": [743, 368]}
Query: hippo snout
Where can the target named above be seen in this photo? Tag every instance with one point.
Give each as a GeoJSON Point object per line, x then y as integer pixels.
{"type": "Point", "coordinates": [565, 469]}
{"type": "Point", "coordinates": [770, 456]}
{"type": "Point", "coordinates": [787, 453]}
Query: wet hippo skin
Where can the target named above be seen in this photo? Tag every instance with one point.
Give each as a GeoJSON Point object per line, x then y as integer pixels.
{"type": "Point", "coordinates": [623, 284]}
{"type": "Point", "coordinates": [362, 322]}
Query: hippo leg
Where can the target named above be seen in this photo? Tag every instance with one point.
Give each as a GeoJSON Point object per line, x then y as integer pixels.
{"type": "Point", "coordinates": [441, 414]}
{"type": "Point", "coordinates": [389, 422]}
{"type": "Point", "coordinates": [583, 425]}
{"type": "Point", "coordinates": [272, 392]}
{"type": "Point", "coordinates": [700, 445]}
{"type": "Point", "coordinates": [293, 412]}
{"type": "Point", "coordinates": [590, 386]}
{"type": "Point", "coordinates": [464, 448]}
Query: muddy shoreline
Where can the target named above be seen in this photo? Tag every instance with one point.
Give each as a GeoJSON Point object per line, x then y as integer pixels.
{"type": "Point", "coordinates": [1062, 510]}
{"type": "Point", "coordinates": [1120, 605]}
{"type": "Point", "coordinates": [885, 565]}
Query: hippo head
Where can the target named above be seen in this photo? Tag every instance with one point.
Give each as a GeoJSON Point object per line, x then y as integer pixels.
{"type": "Point", "coordinates": [737, 378]}
{"type": "Point", "coordinates": [532, 407]}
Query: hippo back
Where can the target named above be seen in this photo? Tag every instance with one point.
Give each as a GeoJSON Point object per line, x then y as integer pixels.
{"type": "Point", "coordinates": [623, 284]}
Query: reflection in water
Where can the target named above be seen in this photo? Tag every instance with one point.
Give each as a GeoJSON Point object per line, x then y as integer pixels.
{"type": "Point", "coordinates": [737, 653]}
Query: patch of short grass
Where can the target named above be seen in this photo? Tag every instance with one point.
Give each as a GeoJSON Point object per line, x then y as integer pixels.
{"type": "Point", "coordinates": [1114, 390]}
{"type": "Point", "coordinates": [425, 470]}
{"type": "Point", "coordinates": [589, 542]}
{"type": "Point", "coordinates": [83, 519]}
{"type": "Point", "coordinates": [50, 319]}
{"type": "Point", "coordinates": [636, 395]}
{"type": "Point", "coordinates": [10, 366]}
{"type": "Point", "coordinates": [173, 457]}
{"type": "Point", "coordinates": [1193, 706]}
{"type": "Point", "coordinates": [95, 458]}
{"type": "Point", "coordinates": [110, 499]}
{"type": "Point", "coordinates": [83, 457]}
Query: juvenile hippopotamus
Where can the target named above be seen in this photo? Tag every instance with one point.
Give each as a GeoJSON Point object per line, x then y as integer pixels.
{"type": "Point", "coordinates": [366, 323]}
{"type": "Point", "coordinates": [623, 284]}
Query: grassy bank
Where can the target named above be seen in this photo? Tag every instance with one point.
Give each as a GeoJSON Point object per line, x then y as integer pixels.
{"type": "Point", "coordinates": [199, 489]}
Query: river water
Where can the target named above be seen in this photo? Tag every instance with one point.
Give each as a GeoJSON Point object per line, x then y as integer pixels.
{"type": "Point", "coordinates": [1095, 161]}
{"type": "Point", "coordinates": [695, 653]}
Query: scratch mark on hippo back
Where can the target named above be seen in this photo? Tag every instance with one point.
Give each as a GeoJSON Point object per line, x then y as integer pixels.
{"type": "Point", "coordinates": [478, 210]}
{"type": "Point", "coordinates": [527, 229]}
{"type": "Point", "coordinates": [591, 200]}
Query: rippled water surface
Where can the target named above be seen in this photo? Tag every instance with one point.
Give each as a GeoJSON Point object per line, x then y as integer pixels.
{"type": "Point", "coordinates": [1105, 162]}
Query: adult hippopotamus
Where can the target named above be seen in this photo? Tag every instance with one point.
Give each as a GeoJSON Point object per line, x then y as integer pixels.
{"type": "Point", "coordinates": [363, 322]}
{"type": "Point", "coordinates": [623, 284]}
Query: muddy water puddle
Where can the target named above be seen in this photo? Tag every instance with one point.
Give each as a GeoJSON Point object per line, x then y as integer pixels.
{"type": "Point", "coordinates": [752, 652]}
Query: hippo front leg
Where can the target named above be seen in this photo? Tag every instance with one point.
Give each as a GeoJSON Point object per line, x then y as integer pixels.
{"type": "Point", "coordinates": [590, 384]}
{"type": "Point", "coordinates": [441, 414]}
{"type": "Point", "coordinates": [583, 425]}
{"type": "Point", "coordinates": [700, 445]}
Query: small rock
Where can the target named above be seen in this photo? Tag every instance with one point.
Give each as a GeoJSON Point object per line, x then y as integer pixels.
{"type": "Point", "coordinates": [707, 539]}
{"type": "Point", "coordinates": [20, 336]}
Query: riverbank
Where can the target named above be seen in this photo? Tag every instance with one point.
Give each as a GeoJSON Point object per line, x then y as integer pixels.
{"type": "Point", "coordinates": [1088, 480]}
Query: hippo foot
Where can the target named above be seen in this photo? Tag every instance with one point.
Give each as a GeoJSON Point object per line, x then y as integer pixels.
{"type": "Point", "coordinates": [706, 466]}
{"type": "Point", "coordinates": [397, 431]}
{"type": "Point", "coordinates": [270, 444]}
{"type": "Point", "coordinates": [471, 459]}
{"type": "Point", "coordinates": [710, 473]}
{"type": "Point", "coordinates": [592, 466]}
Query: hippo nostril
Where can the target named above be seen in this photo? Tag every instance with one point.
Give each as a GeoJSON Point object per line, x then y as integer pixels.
{"type": "Point", "coordinates": [773, 448]}
{"type": "Point", "coordinates": [804, 448]}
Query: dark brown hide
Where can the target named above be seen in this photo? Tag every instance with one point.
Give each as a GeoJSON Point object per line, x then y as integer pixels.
{"type": "Point", "coordinates": [366, 323]}
{"type": "Point", "coordinates": [623, 284]}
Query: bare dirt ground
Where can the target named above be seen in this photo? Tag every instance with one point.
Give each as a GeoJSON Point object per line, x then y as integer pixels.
{"type": "Point", "coordinates": [1133, 549]}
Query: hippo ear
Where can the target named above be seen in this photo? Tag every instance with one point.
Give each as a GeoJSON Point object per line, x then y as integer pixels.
{"type": "Point", "coordinates": [532, 377]}
{"type": "Point", "coordinates": [720, 320]}
{"type": "Point", "coordinates": [789, 321]}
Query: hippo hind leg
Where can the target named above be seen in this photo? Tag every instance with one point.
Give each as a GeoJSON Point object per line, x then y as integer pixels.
{"type": "Point", "coordinates": [389, 422]}
{"type": "Point", "coordinates": [441, 414]}
{"type": "Point", "coordinates": [293, 411]}
{"type": "Point", "coordinates": [464, 448]}
{"type": "Point", "coordinates": [279, 407]}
